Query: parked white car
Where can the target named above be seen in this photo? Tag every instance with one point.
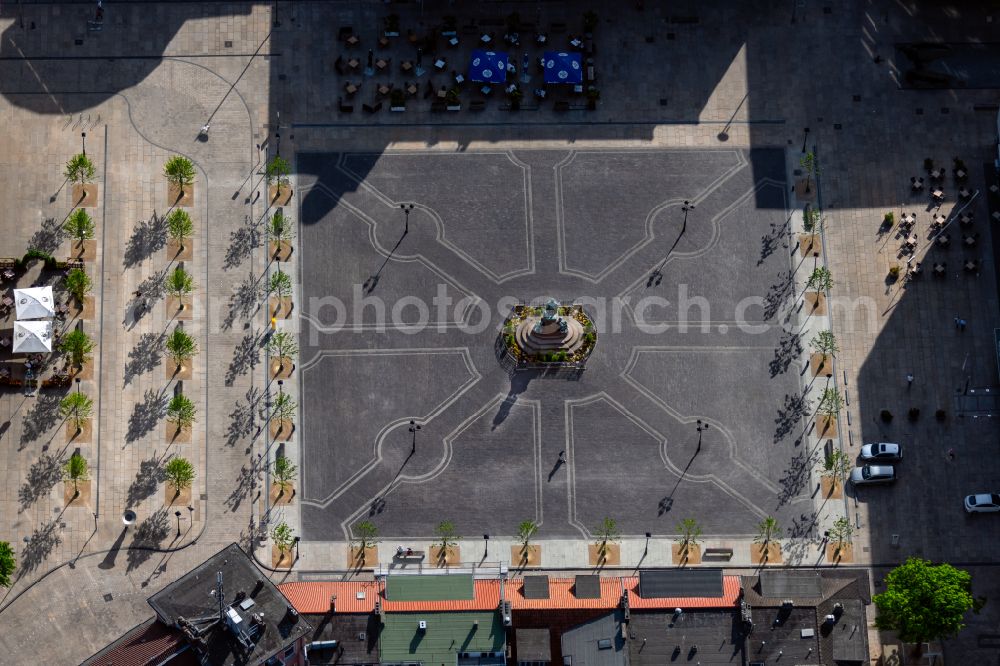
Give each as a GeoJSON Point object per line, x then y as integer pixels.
{"type": "Point", "coordinates": [873, 474]}
{"type": "Point", "coordinates": [984, 503]}
{"type": "Point", "coordinates": [881, 451]}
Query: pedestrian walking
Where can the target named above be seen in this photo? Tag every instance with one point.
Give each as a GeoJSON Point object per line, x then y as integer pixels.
{"type": "Point", "coordinates": [562, 457]}
{"type": "Point", "coordinates": [951, 454]}
{"type": "Point", "coordinates": [959, 323]}
{"type": "Point", "coordinates": [909, 379]}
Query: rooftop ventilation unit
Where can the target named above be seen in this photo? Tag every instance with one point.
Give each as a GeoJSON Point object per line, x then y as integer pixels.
{"type": "Point", "coordinates": [422, 625]}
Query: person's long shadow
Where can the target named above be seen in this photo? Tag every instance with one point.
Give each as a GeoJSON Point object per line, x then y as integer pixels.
{"type": "Point", "coordinates": [372, 281]}
{"type": "Point", "coordinates": [555, 468]}
{"type": "Point", "coordinates": [109, 560]}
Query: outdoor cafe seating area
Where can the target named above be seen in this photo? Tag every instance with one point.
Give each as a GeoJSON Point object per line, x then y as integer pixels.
{"type": "Point", "coordinates": [457, 64]}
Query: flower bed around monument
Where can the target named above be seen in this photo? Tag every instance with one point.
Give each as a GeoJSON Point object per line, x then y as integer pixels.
{"type": "Point", "coordinates": [520, 313]}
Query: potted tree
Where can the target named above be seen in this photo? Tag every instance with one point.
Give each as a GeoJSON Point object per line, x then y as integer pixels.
{"type": "Point", "coordinates": [179, 474]}
{"type": "Point", "coordinates": [364, 545]}
{"type": "Point", "coordinates": [77, 347]}
{"type": "Point", "coordinates": [280, 284]}
{"type": "Point", "coordinates": [182, 348]}
{"type": "Point", "coordinates": [77, 408]}
{"type": "Point", "coordinates": [452, 102]}
{"type": "Point", "coordinates": [7, 563]}
{"type": "Point", "coordinates": [830, 404]}
{"type": "Point", "coordinates": [809, 242]}
{"type": "Point", "coordinates": [687, 550]}
{"type": "Point", "coordinates": [179, 285]}
{"type": "Point", "coordinates": [76, 475]}
{"type": "Point", "coordinates": [605, 550]}
{"type": "Point", "coordinates": [280, 232]}
{"type": "Point", "coordinates": [820, 281]}
{"type": "Point", "coordinates": [80, 171]}
{"type": "Point", "coordinates": [840, 549]}
{"type": "Point", "coordinates": [282, 417]}
{"type": "Point", "coordinates": [593, 94]}
{"type": "Point", "coordinates": [803, 188]}
{"type": "Point", "coordinates": [181, 414]}
{"type": "Point", "coordinates": [445, 551]}
{"type": "Point", "coordinates": [515, 96]}
{"type": "Point", "coordinates": [282, 349]}
{"type": "Point", "coordinates": [79, 286]}
{"type": "Point", "coordinates": [283, 537]}
{"type": "Point", "coordinates": [525, 554]}
{"type": "Point", "coordinates": [824, 346]}
{"type": "Point", "coordinates": [180, 175]}
{"type": "Point", "coordinates": [283, 472]}
{"type": "Point", "coordinates": [80, 228]}
{"type": "Point", "coordinates": [836, 467]}
{"type": "Point", "coordinates": [767, 543]}
{"type": "Point", "coordinates": [179, 229]}
{"type": "Point", "coordinates": [391, 26]}
{"type": "Point", "coordinates": [279, 186]}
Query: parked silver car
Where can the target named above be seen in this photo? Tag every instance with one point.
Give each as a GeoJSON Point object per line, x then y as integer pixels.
{"type": "Point", "coordinates": [881, 451]}
{"type": "Point", "coordinates": [984, 503]}
{"type": "Point", "coordinates": [873, 474]}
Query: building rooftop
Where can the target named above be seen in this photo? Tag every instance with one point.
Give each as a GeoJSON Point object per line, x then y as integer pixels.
{"type": "Point", "coordinates": [536, 587]}
{"type": "Point", "coordinates": [791, 633]}
{"type": "Point", "coordinates": [563, 594]}
{"type": "Point", "coordinates": [704, 637]}
{"type": "Point", "coordinates": [598, 642]}
{"type": "Point", "coordinates": [680, 583]}
{"type": "Point", "coordinates": [445, 638]}
{"type": "Point", "coordinates": [848, 636]}
{"type": "Point", "coordinates": [356, 636]}
{"type": "Point", "coordinates": [267, 620]}
{"type": "Point", "coordinates": [152, 642]}
{"type": "Point", "coordinates": [533, 644]}
{"type": "Point", "coordinates": [788, 584]}
{"type": "Point", "coordinates": [728, 594]}
{"type": "Point", "coordinates": [429, 588]}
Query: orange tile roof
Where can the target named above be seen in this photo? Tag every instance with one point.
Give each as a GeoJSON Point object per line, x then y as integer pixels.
{"type": "Point", "coordinates": [314, 597]}
{"type": "Point", "coordinates": [561, 595]}
{"type": "Point", "coordinates": [730, 593]}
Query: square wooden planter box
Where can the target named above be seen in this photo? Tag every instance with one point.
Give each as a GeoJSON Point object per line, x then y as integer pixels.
{"type": "Point", "coordinates": [281, 560]}
{"type": "Point", "coordinates": [84, 311]}
{"type": "Point", "coordinates": [172, 371]}
{"type": "Point", "coordinates": [85, 196]}
{"type": "Point", "coordinates": [820, 367]}
{"type": "Point", "coordinates": [172, 498]}
{"type": "Point", "coordinates": [83, 250]}
{"type": "Point", "coordinates": [532, 557]}
{"type": "Point", "coordinates": [846, 554]}
{"type": "Point", "coordinates": [826, 426]}
{"type": "Point", "coordinates": [81, 500]}
{"type": "Point", "coordinates": [279, 496]}
{"type": "Point", "coordinates": [81, 437]}
{"type": "Point", "coordinates": [281, 430]}
{"type": "Point", "coordinates": [815, 303]}
{"type": "Point", "coordinates": [174, 197]}
{"type": "Point", "coordinates": [692, 556]}
{"type": "Point", "coordinates": [84, 372]}
{"type": "Point", "coordinates": [439, 558]}
{"type": "Point", "coordinates": [178, 253]}
{"type": "Point", "coordinates": [810, 245]}
{"type": "Point", "coordinates": [771, 556]}
{"type": "Point", "coordinates": [282, 368]}
{"type": "Point", "coordinates": [356, 561]}
{"type": "Point", "coordinates": [174, 311]}
{"type": "Point", "coordinates": [280, 250]}
{"type": "Point", "coordinates": [612, 555]}
{"type": "Point", "coordinates": [173, 434]}
{"type": "Point", "coordinates": [831, 487]}
{"type": "Point", "coordinates": [279, 195]}
{"type": "Point", "coordinates": [280, 308]}
{"type": "Point", "coordinates": [800, 189]}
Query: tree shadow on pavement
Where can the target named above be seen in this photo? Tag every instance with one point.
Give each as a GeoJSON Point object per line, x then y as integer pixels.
{"type": "Point", "coordinates": [40, 545]}
{"type": "Point", "coordinates": [147, 237]}
{"type": "Point", "coordinates": [49, 237]}
{"type": "Point", "coordinates": [246, 483]}
{"type": "Point", "coordinates": [43, 475]}
{"type": "Point", "coordinates": [43, 416]}
{"type": "Point", "coordinates": [146, 414]}
{"type": "Point", "coordinates": [149, 534]}
{"type": "Point", "coordinates": [243, 242]}
{"type": "Point", "coordinates": [242, 420]}
{"type": "Point", "coordinates": [151, 473]}
{"type": "Point", "coordinates": [803, 535]}
{"type": "Point", "coordinates": [145, 356]}
{"type": "Point", "coordinates": [244, 301]}
{"type": "Point", "coordinates": [796, 476]}
{"type": "Point", "coordinates": [795, 409]}
{"type": "Point", "coordinates": [777, 295]}
{"type": "Point", "coordinates": [771, 241]}
{"type": "Point", "coordinates": [789, 348]}
{"type": "Point", "coordinates": [246, 356]}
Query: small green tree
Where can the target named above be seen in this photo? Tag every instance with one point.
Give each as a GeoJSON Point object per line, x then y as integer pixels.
{"type": "Point", "coordinates": [446, 536]}
{"type": "Point", "coordinates": [525, 533]}
{"type": "Point", "coordinates": [180, 172]}
{"type": "Point", "coordinates": [181, 411]}
{"type": "Point", "coordinates": [75, 470]}
{"type": "Point", "coordinates": [825, 343]}
{"type": "Point", "coordinates": [277, 170]}
{"type": "Point", "coordinates": [830, 402]}
{"type": "Point", "coordinates": [179, 226]}
{"type": "Point", "coordinates": [79, 225]}
{"type": "Point", "coordinates": [768, 532]}
{"type": "Point", "coordinates": [809, 164]}
{"type": "Point", "coordinates": [78, 284]}
{"type": "Point", "coordinates": [924, 602]}
{"type": "Point", "coordinates": [811, 221]}
{"type": "Point", "coordinates": [688, 534]}
{"type": "Point", "coordinates": [820, 279]}
{"type": "Point", "coordinates": [284, 472]}
{"type": "Point", "coordinates": [179, 284]}
{"type": "Point", "coordinates": [607, 532]}
{"type": "Point", "coordinates": [77, 345]}
{"type": "Point", "coordinates": [365, 537]}
{"type": "Point", "coordinates": [76, 408]}
{"type": "Point", "coordinates": [79, 169]}
{"type": "Point", "coordinates": [837, 465]}
{"type": "Point", "coordinates": [179, 473]}
{"type": "Point", "coordinates": [840, 534]}
{"type": "Point", "coordinates": [283, 537]}
{"type": "Point", "coordinates": [284, 407]}
{"type": "Point", "coordinates": [181, 347]}
{"type": "Point", "coordinates": [280, 284]}
{"type": "Point", "coordinates": [282, 345]}
{"type": "Point", "coordinates": [280, 228]}
{"type": "Point", "coordinates": [7, 563]}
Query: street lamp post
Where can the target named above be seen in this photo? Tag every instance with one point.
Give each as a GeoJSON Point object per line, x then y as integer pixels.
{"type": "Point", "coordinates": [178, 514]}
{"type": "Point", "coordinates": [83, 135]}
{"type": "Point", "coordinates": [406, 208]}
{"type": "Point", "coordinates": [686, 207]}
{"type": "Point", "coordinates": [805, 137]}
{"type": "Point", "coordinates": [649, 535]}
{"type": "Point", "coordinates": [702, 427]}
{"type": "Point", "coordinates": [414, 427]}
{"type": "Point", "coordinates": [486, 550]}
{"type": "Point", "coordinates": [297, 549]}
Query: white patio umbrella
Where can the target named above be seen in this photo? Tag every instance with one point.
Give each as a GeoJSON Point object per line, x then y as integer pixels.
{"type": "Point", "coordinates": [32, 336]}
{"type": "Point", "coordinates": [34, 303]}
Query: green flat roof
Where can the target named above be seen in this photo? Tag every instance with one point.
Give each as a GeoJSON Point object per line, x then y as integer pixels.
{"type": "Point", "coordinates": [447, 634]}
{"type": "Point", "coordinates": [429, 588]}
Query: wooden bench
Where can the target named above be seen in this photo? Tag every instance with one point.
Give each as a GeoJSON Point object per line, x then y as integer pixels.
{"type": "Point", "coordinates": [411, 555]}
{"type": "Point", "coordinates": [718, 553]}
{"type": "Point", "coordinates": [477, 105]}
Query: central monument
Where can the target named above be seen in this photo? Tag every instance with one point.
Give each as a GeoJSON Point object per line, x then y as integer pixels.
{"type": "Point", "coordinates": [550, 336]}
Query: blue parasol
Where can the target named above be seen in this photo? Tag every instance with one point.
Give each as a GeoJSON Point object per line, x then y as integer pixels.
{"type": "Point", "coordinates": [488, 66]}
{"type": "Point", "coordinates": [561, 67]}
